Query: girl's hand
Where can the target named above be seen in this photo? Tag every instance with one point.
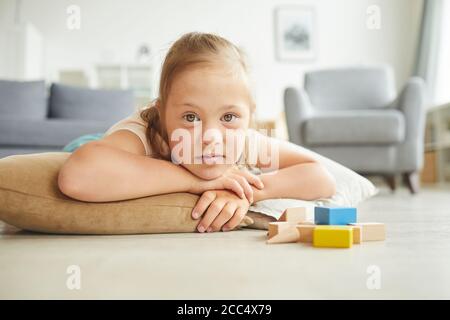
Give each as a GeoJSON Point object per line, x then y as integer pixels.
{"type": "Point", "coordinates": [221, 209]}
{"type": "Point", "coordinates": [238, 181]}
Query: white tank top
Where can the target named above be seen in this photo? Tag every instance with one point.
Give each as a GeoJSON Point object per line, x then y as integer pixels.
{"type": "Point", "coordinates": [135, 124]}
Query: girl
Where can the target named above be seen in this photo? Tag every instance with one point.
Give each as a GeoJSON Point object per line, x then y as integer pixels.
{"type": "Point", "coordinates": [195, 137]}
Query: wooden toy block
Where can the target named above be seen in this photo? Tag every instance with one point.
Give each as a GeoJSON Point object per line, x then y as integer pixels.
{"type": "Point", "coordinates": [306, 232]}
{"type": "Point", "coordinates": [334, 215]}
{"type": "Point", "coordinates": [333, 236]}
{"type": "Point", "coordinates": [357, 234]}
{"type": "Point", "coordinates": [371, 231]}
{"type": "Point", "coordinates": [287, 235]}
{"type": "Point", "coordinates": [278, 226]}
{"type": "Point", "coordinates": [294, 215]}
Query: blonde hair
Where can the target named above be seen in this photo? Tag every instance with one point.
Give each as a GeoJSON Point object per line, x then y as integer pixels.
{"type": "Point", "coordinates": [190, 49]}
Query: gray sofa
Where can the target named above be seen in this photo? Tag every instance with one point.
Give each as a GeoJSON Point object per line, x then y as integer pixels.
{"type": "Point", "coordinates": [34, 119]}
{"type": "Point", "coordinates": [353, 115]}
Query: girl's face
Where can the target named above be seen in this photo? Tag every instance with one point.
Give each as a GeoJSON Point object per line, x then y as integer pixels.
{"type": "Point", "coordinates": [206, 116]}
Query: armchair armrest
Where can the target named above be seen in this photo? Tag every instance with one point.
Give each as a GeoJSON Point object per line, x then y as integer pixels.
{"type": "Point", "coordinates": [411, 103]}
{"type": "Point", "coordinates": [297, 108]}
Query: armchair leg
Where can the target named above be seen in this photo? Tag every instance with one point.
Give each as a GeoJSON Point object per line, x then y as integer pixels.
{"type": "Point", "coordinates": [411, 179]}
{"type": "Point", "coordinates": [390, 180]}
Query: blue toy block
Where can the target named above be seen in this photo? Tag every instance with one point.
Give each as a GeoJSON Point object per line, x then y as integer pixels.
{"type": "Point", "coordinates": [334, 215]}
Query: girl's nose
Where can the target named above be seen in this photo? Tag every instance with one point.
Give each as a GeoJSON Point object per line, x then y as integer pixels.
{"type": "Point", "coordinates": [212, 136]}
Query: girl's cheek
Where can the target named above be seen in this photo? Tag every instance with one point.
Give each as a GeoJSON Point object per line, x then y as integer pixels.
{"type": "Point", "coordinates": [234, 144]}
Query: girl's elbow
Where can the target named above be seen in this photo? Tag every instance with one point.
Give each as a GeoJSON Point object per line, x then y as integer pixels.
{"type": "Point", "coordinates": [76, 174]}
{"type": "Point", "coordinates": [71, 184]}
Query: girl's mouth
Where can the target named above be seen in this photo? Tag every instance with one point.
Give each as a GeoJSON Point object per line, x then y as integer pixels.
{"type": "Point", "coordinates": [211, 159]}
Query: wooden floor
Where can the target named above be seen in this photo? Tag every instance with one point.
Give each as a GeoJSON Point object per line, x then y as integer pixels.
{"type": "Point", "coordinates": [414, 261]}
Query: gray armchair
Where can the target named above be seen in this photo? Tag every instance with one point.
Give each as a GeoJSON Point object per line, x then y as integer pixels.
{"type": "Point", "coordinates": [352, 115]}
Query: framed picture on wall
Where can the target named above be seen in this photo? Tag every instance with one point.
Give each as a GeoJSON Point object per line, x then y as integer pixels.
{"type": "Point", "coordinates": [295, 33]}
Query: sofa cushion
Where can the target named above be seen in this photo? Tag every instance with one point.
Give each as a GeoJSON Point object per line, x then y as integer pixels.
{"type": "Point", "coordinates": [68, 102]}
{"type": "Point", "coordinates": [50, 132]}
{"type": "Point", "coordinates": [23, 99]}
{"type": "Point", "coordinates": [30, 199]}
{"type": "Point", "coordinates": [359, 87]}
{"type": "Point", "coordinates": [353, 127]}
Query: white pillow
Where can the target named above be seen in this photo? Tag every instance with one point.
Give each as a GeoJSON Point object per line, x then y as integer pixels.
{"type": "Point", "coordinates": [351, 189]}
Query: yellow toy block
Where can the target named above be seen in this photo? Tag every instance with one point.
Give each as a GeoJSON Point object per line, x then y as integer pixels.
{"type": "Point", "coordinates": [333, 236]}
{"type": "Point", "coordinates": [357, 234]}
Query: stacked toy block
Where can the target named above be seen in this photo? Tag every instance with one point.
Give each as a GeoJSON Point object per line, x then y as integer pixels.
{"type": "Point", "coordinates": [333, 227]}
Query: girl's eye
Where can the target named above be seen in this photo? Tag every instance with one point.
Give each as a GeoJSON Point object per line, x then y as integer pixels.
{"type": "Point", "coordinates": [228, 117]}
{"type": "Point", "coordinates": [190, 117]}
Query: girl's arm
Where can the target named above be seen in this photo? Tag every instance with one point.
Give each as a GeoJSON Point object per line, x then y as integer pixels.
{"type": "Point", "coordinates": [297, 175]}
{"type": "Point", "coordinates": [116, 168]}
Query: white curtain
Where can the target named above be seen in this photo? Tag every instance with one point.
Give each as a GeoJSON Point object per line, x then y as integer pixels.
{"type": "Point", "coordinates": [429, 59]}
{"type": "Point", "coordinates": [442, 85]}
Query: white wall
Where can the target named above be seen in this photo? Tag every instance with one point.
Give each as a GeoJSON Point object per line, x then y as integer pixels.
{"type": "Point", "coordinates": [113, 30]}
{"type": "Point", "coordinates": [22, 54]}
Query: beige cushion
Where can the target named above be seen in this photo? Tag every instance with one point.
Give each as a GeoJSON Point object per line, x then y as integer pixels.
{"type": "Point", "coordinates": [30, 199]}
